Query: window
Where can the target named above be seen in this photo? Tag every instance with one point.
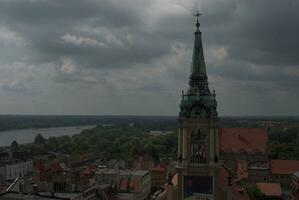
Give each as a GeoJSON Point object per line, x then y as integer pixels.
{"type": "Point", "coordinates": [198, 147]}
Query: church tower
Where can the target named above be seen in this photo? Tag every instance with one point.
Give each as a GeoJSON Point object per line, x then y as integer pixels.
{"type": "Point", "coordinates": [198, 165]}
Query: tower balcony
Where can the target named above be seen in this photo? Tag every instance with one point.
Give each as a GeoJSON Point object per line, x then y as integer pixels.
{"type": "Point", "coordinates": [190, 164]}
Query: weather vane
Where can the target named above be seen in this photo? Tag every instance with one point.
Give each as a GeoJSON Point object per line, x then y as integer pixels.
{"type": "Point", "coordinates": [197, 14]}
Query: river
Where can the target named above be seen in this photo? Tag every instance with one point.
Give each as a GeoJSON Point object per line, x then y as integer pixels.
{"type": "Point", "coordinates": [27, 135]}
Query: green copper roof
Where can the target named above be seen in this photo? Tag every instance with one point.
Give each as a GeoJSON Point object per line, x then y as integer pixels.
{"type": "Point", "coordinates": [198, 67]}
{"type": "Point", "coordinates": [198, 101]}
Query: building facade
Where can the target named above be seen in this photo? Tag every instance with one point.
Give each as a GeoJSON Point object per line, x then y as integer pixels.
{"type": "Point", "coordinates": [14, 164]}
{"type": "Point", "coordinates": [158, 177]}
{"type": "Point", "coordinates": [137, 182]}
{"type": "Point", "coordinates": [281, 171]}
{"type": "Point", "coordinates": [243, 150]}
{"type": "Point", "coordinates": [17, 169]}
{"type": "Point", "coordinates": [198, 165]}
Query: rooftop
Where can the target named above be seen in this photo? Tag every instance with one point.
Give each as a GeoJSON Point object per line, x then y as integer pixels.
{"type": "Point", "coordinates": [270, 189]}
{"type": "Point", "coordinates": [284, 166]}
{"type": "Point", "coordinates": [243, 139]}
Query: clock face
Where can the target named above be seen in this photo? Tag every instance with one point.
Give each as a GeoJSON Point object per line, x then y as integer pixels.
{"type": "Point", "coordinates": [195, 185]}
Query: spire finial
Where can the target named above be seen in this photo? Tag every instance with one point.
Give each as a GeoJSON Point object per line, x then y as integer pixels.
{"type": "Point", "coordinates": [197, 14]}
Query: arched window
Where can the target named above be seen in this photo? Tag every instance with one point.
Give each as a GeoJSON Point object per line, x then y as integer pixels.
{"type": "Point", "coordinates": [199, 150]}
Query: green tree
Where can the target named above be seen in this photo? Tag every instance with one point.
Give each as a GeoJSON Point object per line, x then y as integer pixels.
{"type": "Point", "coordinates": [151, 150]}
{"type": "Point", "coordinates": [253, 191]}
{"type": "Point", "coordinates": [39, 139]}
{"type": "Point", "coordinates": [14, 146]}
{"type": "Point", "coordinates": [52, 143]}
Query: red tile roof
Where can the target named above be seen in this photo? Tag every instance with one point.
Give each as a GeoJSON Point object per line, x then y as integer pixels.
{"type": "Point", "coordinates": [270, 189]}
{"type": "Point", "coordinates": [284, 166]}
{"type": "Point", "coordinates": [247, 139]}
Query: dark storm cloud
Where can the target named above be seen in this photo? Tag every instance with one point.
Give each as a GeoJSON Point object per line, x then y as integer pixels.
{"type": "Point", "coordinates": [253, 31]}
{"type": "Point", "coordinates": [146, 45]}
{"type": "Point", "coordinates": [44, 23]}
{"type": "Point", "coordinates": [262, 32]}
{"type": "Point", "coordinates": [55, 12]}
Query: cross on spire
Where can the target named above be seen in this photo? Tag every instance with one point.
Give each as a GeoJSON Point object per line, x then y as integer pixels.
{"type": "Point", "coordinates": [197, 14]}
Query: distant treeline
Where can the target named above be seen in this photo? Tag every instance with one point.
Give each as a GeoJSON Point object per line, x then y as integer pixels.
{"type": "Point", "coordinates": [283, 143]}
{"type": "Point", "coordinates": [118, 141]}
{"type": "Point", "coordinates": [13, 122]}
{"type": "Point", "coordinates": [126, 142]}
{"type": "Point", "coordinates": [128, 136]}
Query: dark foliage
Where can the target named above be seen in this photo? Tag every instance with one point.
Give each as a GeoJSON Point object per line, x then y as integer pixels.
{"type": "Point", "coordinates": [120, 141]}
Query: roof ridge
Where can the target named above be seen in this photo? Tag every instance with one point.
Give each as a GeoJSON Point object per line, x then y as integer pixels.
{"type": "Point", "coordinates": [244, 140]}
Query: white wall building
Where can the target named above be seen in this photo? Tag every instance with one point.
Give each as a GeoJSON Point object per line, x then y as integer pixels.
{"type": "Point", "coordinates": [13, 169]}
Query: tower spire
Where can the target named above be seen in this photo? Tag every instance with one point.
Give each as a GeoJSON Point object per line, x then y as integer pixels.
{"type": "Point", "coordinates": [198, 74]}
{"type": "Point", "coordinates": [198, 135]}
{"type": "Point", "coordinates": [198, 94]}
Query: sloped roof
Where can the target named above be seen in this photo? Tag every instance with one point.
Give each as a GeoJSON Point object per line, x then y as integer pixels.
{"type": "Point", "coordinates": [284, 166]}
{"type": "Point", "coordinates": [270, 189]}
{"type": "Point", "coordinates": [242, 139]}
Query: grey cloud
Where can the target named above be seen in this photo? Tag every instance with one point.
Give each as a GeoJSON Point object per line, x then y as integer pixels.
{"type": "Point", "coordinates": [260, 32]}
{"type": "Point", "coordinates": [127, 51]}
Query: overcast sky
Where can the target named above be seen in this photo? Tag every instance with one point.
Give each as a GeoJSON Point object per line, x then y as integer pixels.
{"type": "Point", "coordinates": [132, 57]}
